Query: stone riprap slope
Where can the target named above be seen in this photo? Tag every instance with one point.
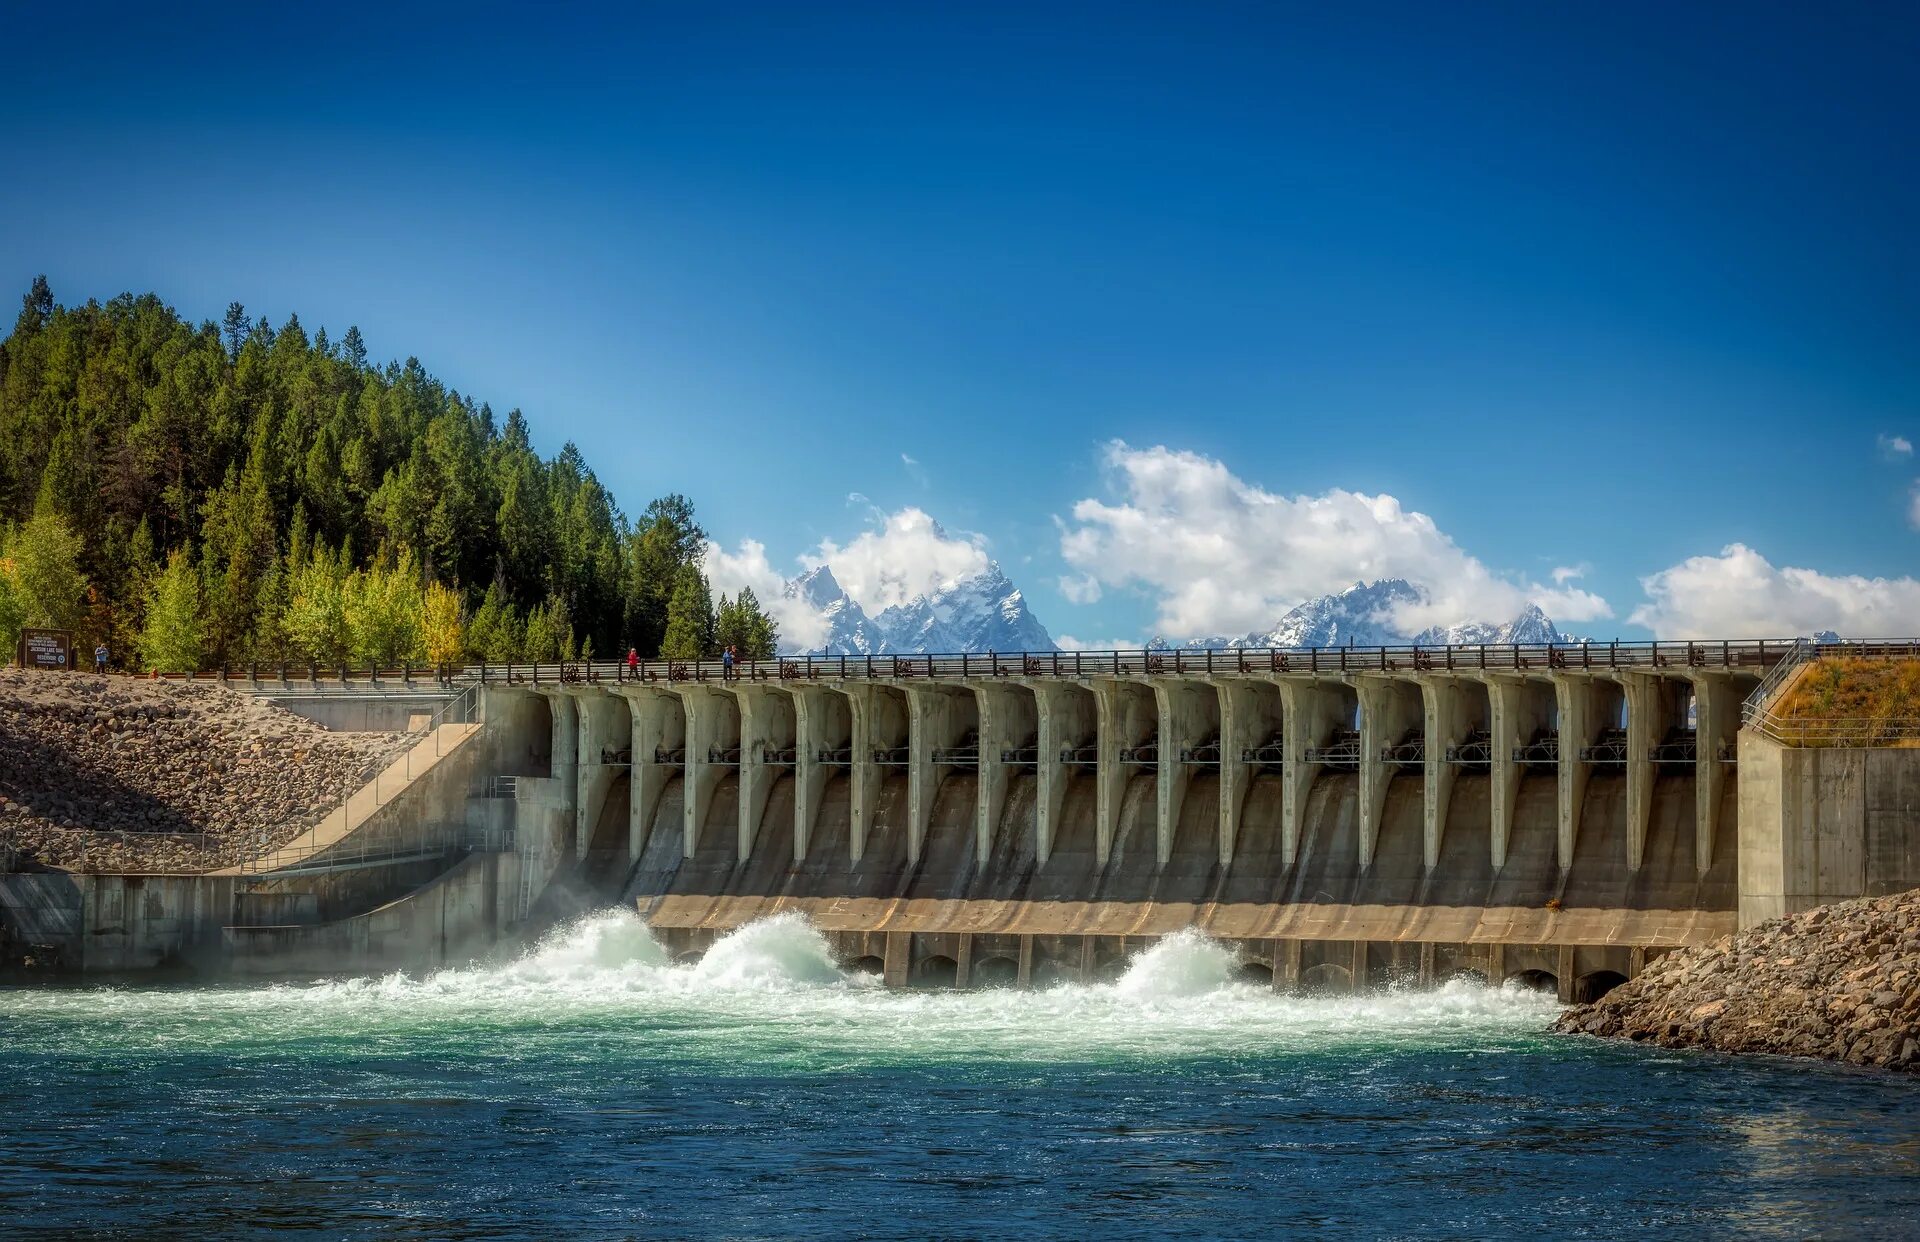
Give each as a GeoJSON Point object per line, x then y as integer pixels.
{"type": "Point", "coordinates": [1840, 982]}
{"type": "Point", "coordinates": [113, 774]}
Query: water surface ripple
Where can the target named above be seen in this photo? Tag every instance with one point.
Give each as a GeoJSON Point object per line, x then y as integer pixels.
{"type": "Point", "coordinates": [592, 1088]}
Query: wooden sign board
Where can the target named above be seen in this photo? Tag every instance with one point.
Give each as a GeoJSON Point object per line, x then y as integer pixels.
{"type": "Point", "coordinates": [46, 649]}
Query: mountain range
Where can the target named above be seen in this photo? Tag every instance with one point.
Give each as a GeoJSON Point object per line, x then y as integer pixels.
{"type": "Point", "coordinates": [987, 612]}
{"type": "Point", "coordinates": [979, 612]}
{"type": "Point", "coordinates": [1362, 615]}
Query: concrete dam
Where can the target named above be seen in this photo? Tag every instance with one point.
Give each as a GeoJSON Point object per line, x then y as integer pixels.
{"type": "Point", "coordinates": [1342, 818]}
{"type": "Point", "coordinates": [1338, 818]}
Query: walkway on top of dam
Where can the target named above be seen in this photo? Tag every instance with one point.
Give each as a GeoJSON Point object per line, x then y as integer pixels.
{"type": "Point", "coordinates": [1751, 656]}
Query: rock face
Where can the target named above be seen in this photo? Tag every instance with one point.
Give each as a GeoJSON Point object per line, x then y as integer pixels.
{"type": "Point", "coordinates": [1840, 982]}
{"type": "Point", "coordinates": [108, 774]}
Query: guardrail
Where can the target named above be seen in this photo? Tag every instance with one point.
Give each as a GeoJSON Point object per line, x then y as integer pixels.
{"type": "Point", "coordinates": [1744, 653]}
{"type": "Point", "coordinates": [1773, 657]}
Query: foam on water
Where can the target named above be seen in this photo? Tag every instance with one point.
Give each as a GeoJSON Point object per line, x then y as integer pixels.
{"type": "Point", "coordinates": [782, 951]}
{"type": "Point", "coordinates": [1187, 963]}
{"type": "Point", "coordinates": [770, 991]}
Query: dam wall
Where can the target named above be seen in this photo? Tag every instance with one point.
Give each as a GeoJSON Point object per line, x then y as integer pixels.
{"type": "Point", "coordinates": [1336, 818]}
{"type": "Point", "coordinates": [1825, 824]}
{"type": "Point", "coordinates": [1419, 817]}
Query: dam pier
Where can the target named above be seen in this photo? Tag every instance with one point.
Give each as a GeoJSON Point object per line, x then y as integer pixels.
{"type": "Point", "coordinates": [1339, 817]}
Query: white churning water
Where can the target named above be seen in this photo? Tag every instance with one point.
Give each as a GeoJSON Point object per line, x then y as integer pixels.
{"type": "Point", "coordinates": [773, 987]}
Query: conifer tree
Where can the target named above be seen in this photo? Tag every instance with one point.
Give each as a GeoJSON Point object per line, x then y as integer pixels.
{"type": "Point", "coordinates": [170, 641]}
{"type": "Point", "coordinates": [495, 634]}
{"type": "Point", "coordinates": [759, 637]}
{"type": "Point", "coordinates": [235, 330]}
{"type": "Point", "coordinates": [690, 620]}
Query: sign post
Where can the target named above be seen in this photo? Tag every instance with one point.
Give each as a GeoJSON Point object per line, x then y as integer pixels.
{"type": "Point", "coordinates": [46, 649]}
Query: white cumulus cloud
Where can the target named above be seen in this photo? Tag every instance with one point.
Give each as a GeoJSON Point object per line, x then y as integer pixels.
{"type": "Point", "coordinates": [1894, 448]}
{"type": "Point", "coordinates": [1067, 642]}
{"type": "Point", "coordinates": [1223, 555]}
{"type": "Point", "coordinates": [1740, 594]}
{"type": "Point", "coordinates": [747, 566]}
{"type": "Point", "coordinates": [906, 555]}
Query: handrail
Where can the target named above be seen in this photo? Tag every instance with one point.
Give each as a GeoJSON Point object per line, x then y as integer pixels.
{"type": "Point", "coordinates": [1772, 658]}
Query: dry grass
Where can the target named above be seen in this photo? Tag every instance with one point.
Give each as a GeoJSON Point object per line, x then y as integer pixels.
{"type": "Point", "coordinates": [1879, 699]}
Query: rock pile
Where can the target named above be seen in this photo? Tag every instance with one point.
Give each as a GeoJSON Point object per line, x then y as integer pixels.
{"type": "Point", "coordinates": [1840, 982]}
{"type": "Point", "coordinates": [109, 774]}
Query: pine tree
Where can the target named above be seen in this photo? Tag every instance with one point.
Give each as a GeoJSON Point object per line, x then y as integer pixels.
{"type": "Point", "coordinates": [759, 636]}
{"type": "Point", "coordinates": [235, 330]}
{"type": "Point", "coordinates": [36, 308]}
{"type": "Point", "coordinates": [171, 639]}
{"type": "Point", "coordinates": [495, 634]}
{"type": "Point", "coordinates": [353, 349]}
{"type": "Point", "coordinates": [690, 620]}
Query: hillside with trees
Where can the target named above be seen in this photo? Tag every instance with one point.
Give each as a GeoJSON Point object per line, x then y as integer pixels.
{"type": "Point", "coordinates": [240, 493]}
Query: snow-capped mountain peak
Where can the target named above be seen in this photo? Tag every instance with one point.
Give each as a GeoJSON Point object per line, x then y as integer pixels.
{"type": "Point", "coordinates": [983, 611]}
{"type": "Point", "coordinates": [1363, 616]}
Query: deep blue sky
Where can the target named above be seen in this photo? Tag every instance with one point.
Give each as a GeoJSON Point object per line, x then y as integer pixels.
{"type": "Point", "coordinates": [1613, 288]}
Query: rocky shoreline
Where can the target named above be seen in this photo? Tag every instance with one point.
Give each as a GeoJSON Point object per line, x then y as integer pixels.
{"type": "Point", "coordinates": [107, 774]}
{"type": "Point", "coordinates": [1839, 982]}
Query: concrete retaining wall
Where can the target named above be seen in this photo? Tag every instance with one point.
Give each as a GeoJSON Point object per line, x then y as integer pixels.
{"type": "Point", "coordinates": [1819, 825]}
{"type": "Point", "coordinates": [452, 919]}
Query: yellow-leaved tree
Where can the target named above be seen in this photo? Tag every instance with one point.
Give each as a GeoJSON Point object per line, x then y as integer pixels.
{"type": "Point", "coordinates": [445, 625]}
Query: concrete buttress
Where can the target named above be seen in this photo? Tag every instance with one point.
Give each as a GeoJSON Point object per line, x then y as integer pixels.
{"type": "Point", "coordinates": [1189, 715]}
{"type": "Point", "coordinates": [605, 730]}
{"type": "Point", "coordinates": [1389, 711]}
{"type": "Point", "coordinates": [879, 722]}
{"type": "Point", "coordinates": [1066, 718]}
{"type": "Point", "coordinates": [659, 729]}
{"type": "Point", "coordinates": [1448, 715]}
{"type": "Point", "coordinates": [822, 722]}
{"type": "Point", "coordinates": [1008, 719]}
{"type": "Point", "coordinates": [1646, 724]}
{"type": "Point", "coordinates": [1125, 717]}
{"type": "Point", "coordinates": [1716, 713]}
{"type": "Point", "coordinates": [1310, 713]}
{"type": "Point", "coordinates": [713, 727]}
{"type": "Point", "coordinates": [1519, 709]}
{"type": "Point", "coordinates": [1582, 715]}
{"type": "Point", "coordinates": [935, 720]}
{"type": "Point", "coordinates": [766, 727]}
{"type": "Point", "coordinates": [1249, 715]}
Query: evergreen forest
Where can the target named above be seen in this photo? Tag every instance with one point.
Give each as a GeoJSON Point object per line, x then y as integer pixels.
{"type": "Point", "coordinates": [240, 493]}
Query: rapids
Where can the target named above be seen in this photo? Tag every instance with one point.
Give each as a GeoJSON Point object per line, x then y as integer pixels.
{"type": "Point", "coordinates": [592, 1087]}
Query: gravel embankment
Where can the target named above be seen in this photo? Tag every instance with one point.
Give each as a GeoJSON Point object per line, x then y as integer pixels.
{"type": "Point", "coordinates": [107, 773]}
{"type": "Point", "coordinates": [1840, 982]}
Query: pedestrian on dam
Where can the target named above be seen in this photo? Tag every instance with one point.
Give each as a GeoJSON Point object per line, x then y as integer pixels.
{"type": "Point", "coordinates": [100, 658]}
{"type": "Point", "coordinates": [633, 664]}
{"type": "Point", "coordinates": [726, 664]}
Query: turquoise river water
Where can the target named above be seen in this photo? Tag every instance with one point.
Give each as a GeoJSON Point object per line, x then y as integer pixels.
{"type": "Point", "coordinates": [589, 1088]}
